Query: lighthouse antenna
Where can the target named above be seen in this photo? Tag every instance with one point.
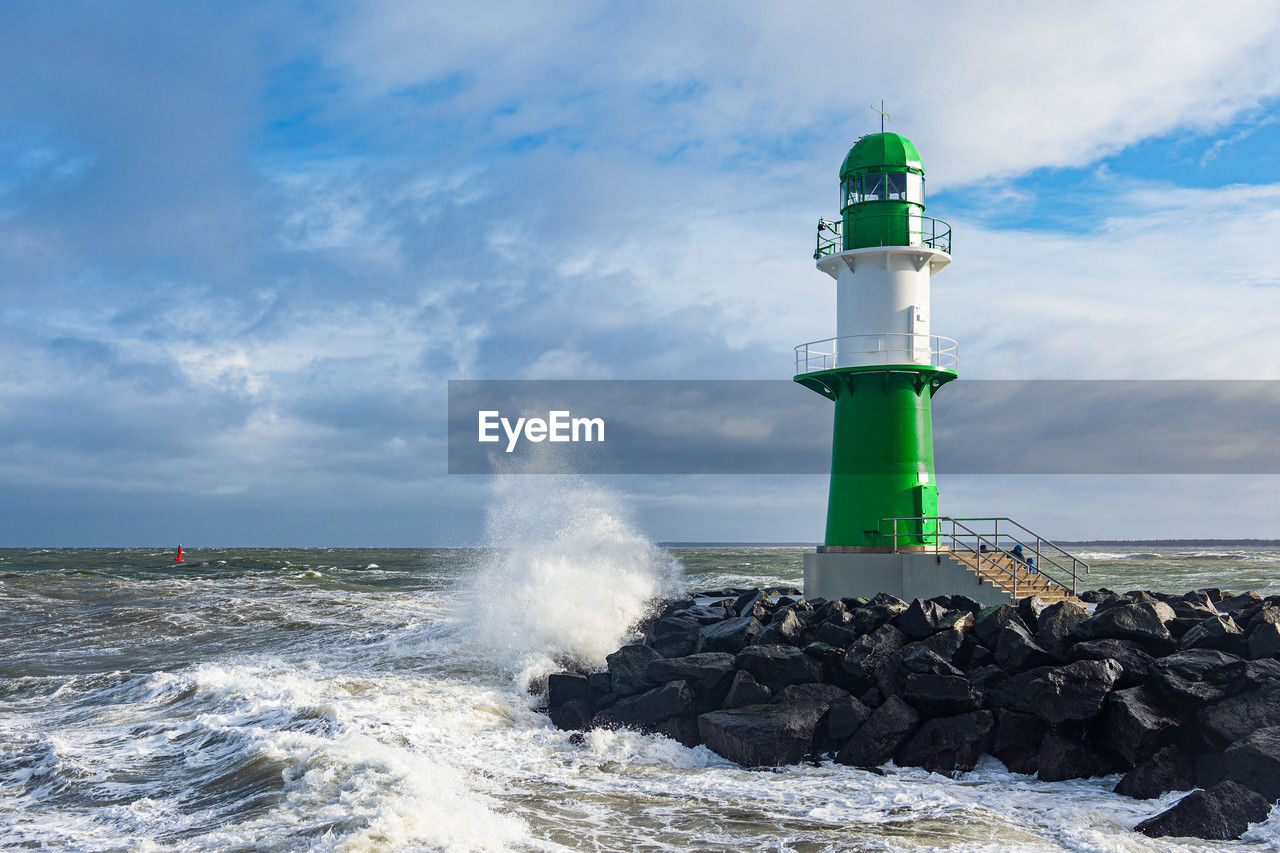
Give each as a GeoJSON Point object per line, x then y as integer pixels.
{"type": "Point", "coordinates": [883, 115]}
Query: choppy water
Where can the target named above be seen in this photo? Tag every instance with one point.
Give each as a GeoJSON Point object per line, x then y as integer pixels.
{"type": "Point", "coordinates": [334, 700]}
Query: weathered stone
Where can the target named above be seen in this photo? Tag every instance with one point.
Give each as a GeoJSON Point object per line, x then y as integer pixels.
{"type": "Point", "coordinates": [703, 672]}
{"type": "Point", "coordinates": [1056, 622]}
{"type": "Point", "coordinates": [675, 645]}
{"type": "Point", "coordinates": [786, 629]}
{"type": "Point", "coordinates": [866, 653]}
{"type": "Point", "coordinates": [628, 669]}
{"type": "Point", "coordinates": [563, 686]}
{"type": "Point", "coordinates": [1166, 770]}
{"type": "Point", "coordinates": [1134, 727]}
{"type": "Point", "coordinates": [1029, 610]}
{"type": "Point", "coordinates": [957, 620]}
{"type": "Point", "coordinates": [1135, 664]}
{"type": "Point", "coordinates": [1016, 650]}
{"type": "Point", "coordinates": [940, 695]}
{"type": "Point", "coordinates": [825, 653]}
{"type": "Point", "coordinates": [599, 684]}
{"type": "Point", "coordinates": [651, 707]}
{"type": "Point", "coordinates": [1144, 622]}
{"type": "Point", "coordinates": [744, 604]}
{"type": "Point", "coordinates": [1267, 614]}
{"type": "Point", "coordinates": [881, 610]}
{"type": "Point", "coordinates": [844, 717]}
{"type": "Point", "coordinates": [1236, 603]}
{"type": "Point", "coordinates": [1236, 717]}
{"type": "Point", "coordinates": [1016, 740]}
{"type": "Point", "coordinates": [681, 730]}
{"type": "Point", "coordinates": [817, 693]}
{"type": "Point", "coordinates": [729, 635]}
{"type": "Point", "coordinates": [761, 735]}
{"type": "Point", "coordinates": [777, 666]}
{"type": "Point", "coordinates": [925, 661]}
{"type": "Point", "coordinates": [1253, 762]}
{"type": "Point", "coordinates": [949, 744]}
{"type": "Point", "coordinates": [990, 621]}
{"type": "Point", "coordinates": [1215, 632]}
{"type": "Point", "coordinates": [880, 736]}
{"type": "Point", "coordinates": [1072, 692]}
{"type": "Point", "coordinates": [1221, 813]}
{"type": "Point", "coordinates": [834, 635]}
{"type": "Point", "coordinates": [1194, 678]}
{"type": "Point", "coordinates": [1063, 757]}
{"type": "Point", "coordinates": [1095, 596]}
{"type": "Point", "coordinates": [1264, 641]}
{"type": "Point", "coordinates": [572, 715]}
{"type": "Point", "coordinates": [920, 619]}
{"type": "Point", "coordinates": [745, 690]}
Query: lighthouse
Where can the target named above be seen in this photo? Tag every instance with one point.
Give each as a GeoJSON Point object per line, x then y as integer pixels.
{"type": "Point", "coordinates": [882, 370]}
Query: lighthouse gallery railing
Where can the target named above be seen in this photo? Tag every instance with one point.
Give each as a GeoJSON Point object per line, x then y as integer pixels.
{"type": "Point", "coordinates": [884, 349]}
{"type": "Point", "coordinates": [921, 230]}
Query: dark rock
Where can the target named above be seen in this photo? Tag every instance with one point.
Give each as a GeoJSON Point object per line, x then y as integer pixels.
{"type": "Point", "coordinates": [866, 653]}
{"type": "Point", "coordinates": [1134, 727]}
{"type": "Point", "coordinates": [785, 630]}
{"type": "Point", "coordinates": [745, 690]}
{"type": "Point", "coordinates": [599, 683]}
{"type": "Point", "coordinates": [1093, 596]}
{"type": "Point", "coordinates": [1215, 632]}
{"type": "Point", "coordinates": [1253, 762]}
{"type": "Point", "coordinates": [743, 604]}
{"type": "Point", "coordinates": [728, 636]}
{"type": "Point", "coordinates": [957, 620]}
{"type": "Point", "coordinates": [872, 698]}
{"type": "Point", "coordinates": [676, 635]}
{"type": "Point", "coordinates": [1056, 622]}
{"type": "Point", "coordinates": [990, 621]}
{"type": "Point", "coordinates": [1072, 692]}
{"type": "Point", "coordinates": [1236, 603]}
{"type": "Point", "coordinates": [1221, 813]}
{"type": "Point", "coordinates": [920, 619]}
{"type": "Point", "coordinates": [835, 635]}
{"type": "Point", "coordinates": [1144, 622]}
{"type": "Point", "coordinates": [708, 615]}
{"type": "Point", "coordinates": [572, 715]}
{"type": "Point", "coordinates": [972, 655]}
{"type": "Point", "coordinates": [778, 666]}
{"type": "Point", "coordinates": [761, 735]}
{"type": "Point", "coordinates": [965, 603]}
{"type": "Point", "coordinates": [1264, 641]}
{"type": "Point", "coordinates": [940, 695]}
{"type": "Point", "coordinates": [1267, 614]}
{"type": "Point", "coordinates": [1063, 757]}
{"type": "Point", "coordinates": [628, 668]}
{"type": "Point", "coordinates": [817, 693]}
{"type": "Point", "coordinates": [1135, 664]}
{"type": "Point", "coordinates": [828, 654]}
{"type": "Point", "coordinates": [563, 686]}
{"type": "Point", "coordinates": [945, 643]}
{"type": "Point", "coordinates": [1016, 740]}
{"type": "Point", "coordinates": [1011, 692]}
{"type": "Point", "coordinates": [881, 610]}
{"type": "Point", "coordinates": [681, 730]}
{"type": "Point", "coordinates": [651, 707]}
{"type": "Point", "coordinates": [949, 744]}
{"type": "Point", "coordinates": [1178, 626]}
{"type": "Point", "coordinates": [1015, 649]}
{"type": "Point", "coordinates": [1236, 717]}
{"type": "Point", "coordinates": [1166, 770]}
{"type": "Point", "coordinates": [1196, 677]}
{"type": "Point", "coordinates": [844, 718]}
{"type": "Point", "coordinates": [703, 672]}
{"type": "Point", "coordinates": [881, 735]}
{"type": "Point", "coordinates": [1029, 610]}
{"type": "Point", "coordinates": [925, 661]}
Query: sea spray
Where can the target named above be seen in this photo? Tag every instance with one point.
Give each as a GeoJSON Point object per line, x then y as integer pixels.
{"type": "Point", "coordinates": [566, 576]}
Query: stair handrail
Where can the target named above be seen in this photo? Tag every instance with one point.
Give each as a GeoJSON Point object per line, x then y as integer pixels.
{"type": "Point", "coordinates": [957, 541]}
{"type": "Point", "coordinates": [1076, 562]}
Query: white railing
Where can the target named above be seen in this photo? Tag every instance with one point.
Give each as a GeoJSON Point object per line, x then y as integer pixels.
{"type": "Point", "coordinates": [871, 350]}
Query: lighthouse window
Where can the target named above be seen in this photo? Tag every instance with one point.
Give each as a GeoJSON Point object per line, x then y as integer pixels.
{"type": "Point", "coordinates": [897, 186]}
{"type": "Point", "coordinates": [872, 188]}
{"type": "Point", "coordinates": [915, 188]}
{"type": "Point", "coordinates": [850, 191]}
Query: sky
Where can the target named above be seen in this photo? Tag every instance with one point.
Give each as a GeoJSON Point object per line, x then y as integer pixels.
{"type": "Point", "coordinates": [244, 246]}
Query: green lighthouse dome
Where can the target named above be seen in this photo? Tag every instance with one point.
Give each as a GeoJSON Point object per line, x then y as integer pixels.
{"type": "Point", "coordinates": [878, 152]}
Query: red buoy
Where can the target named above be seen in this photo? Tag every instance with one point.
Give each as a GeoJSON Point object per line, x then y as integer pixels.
{"type": "Point", "coordinates": [178, 559]}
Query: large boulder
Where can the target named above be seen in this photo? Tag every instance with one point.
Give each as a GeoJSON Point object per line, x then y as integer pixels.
{"type": "Point", "coordinates": [1253, 762]}
{"type": "Point", "coordinates": [1221, 813]}
{"type": "Point", "coordinates": [1055, 624]}
{"type": "Point", "coordinates": [1196, 677]}
{"type": "Point", "coordinates": [745, 690]}
{"type": "Point", "coordinates": [920, 619]}
{"type": "Point", "coordinates": [1016, 650]}
{"type": "Point", "coordinates": [761, 735]}
{"type": "Point", "coordinates": [1236, 717]}
{"type": "Point", "coordinates": [704, 672]}
{"type": "Point", "coordinates": [1135, 664]}
{"type": "Point", "coordinates": [675, 635]}
{"type": "Point", "coordinates": [940, 695]}
{"type": "Point", "coordinates": [649, 708]}
{"type": "Point", "coordinates": [876, 613]}
{"type": "Point", "coordinates": [1264, 641]}
{"type": "Point", "coordinates": [835, 635]}
{"type": "Point", "coordinates": [844, 717]}
{"type": "Point", "coordinates": [1145, 622]}
{"type": "Point", "coordinates": [1062, 757]}
{"type": "Point", "coordinates": [1016, 740]}
{"type": "Point", "coordinates": [786, 628]}
{"type": "Point", "coordinates": [1072, 692]}
{"type": "Point", "coordinates": [815, 692]}
{"type": "Point", "coordinates": [778, 666]}
{"type": "Point", "coordinates": [1215, 632]}
{"type": "Point", "coordinates": [866, 654]}
{"type": "Point", "coordinates": [990, 621]}
{"type": "Point", "coordinates": [949, 744]}
{"type": "Point", "coordinates": [729, 635]}
{"type": "Point", "coordinates": [1167, 770]}
{"type": "Point", "coordinates": [879, 737]}
{"type": "Point", "coordinates": [1134, 727]}
{"type": "Point", "coordinates": [628, 669]}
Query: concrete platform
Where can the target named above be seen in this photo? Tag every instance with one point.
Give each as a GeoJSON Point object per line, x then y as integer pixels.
{"type": "Point", "coordinates": [905, 574]}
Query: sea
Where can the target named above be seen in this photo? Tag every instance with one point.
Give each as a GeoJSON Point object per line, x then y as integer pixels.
{"type": "Point", "coordinates": [262, 699]}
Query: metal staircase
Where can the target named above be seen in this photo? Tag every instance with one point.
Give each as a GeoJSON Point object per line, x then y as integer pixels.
{"type": "Point", "coordinates": [989, 547]}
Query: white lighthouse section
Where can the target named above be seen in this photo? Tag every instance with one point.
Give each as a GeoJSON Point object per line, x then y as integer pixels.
{"type": "Point", "coordinates": [882, 304]}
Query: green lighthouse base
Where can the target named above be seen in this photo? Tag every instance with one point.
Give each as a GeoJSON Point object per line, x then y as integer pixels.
{"type": "Point", "coordinates": [905, 574]}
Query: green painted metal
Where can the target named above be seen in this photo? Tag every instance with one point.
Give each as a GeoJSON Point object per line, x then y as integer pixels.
{"type": "Point", "coordinates": [916, 230]}
{"type": "Point", "coordinates": [882, 444]}
{"type": "Point", "coordinates": [876, 150]}
{"type": "Point", "coordinates": [881, 192]}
